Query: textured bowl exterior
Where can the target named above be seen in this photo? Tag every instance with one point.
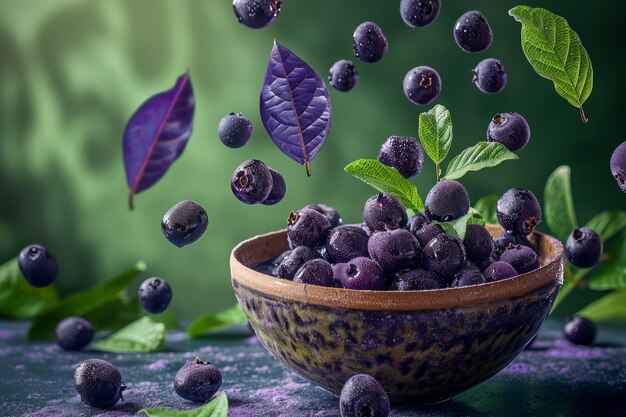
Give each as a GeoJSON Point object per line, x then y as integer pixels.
{"type": "Point", "coordinates": [420, 352]}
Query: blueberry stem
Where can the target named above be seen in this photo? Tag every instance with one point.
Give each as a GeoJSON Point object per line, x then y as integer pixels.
{"type": "Point", "coordinates": [438, 171]}
{"type": "Point", "coordinates": [582, 114]}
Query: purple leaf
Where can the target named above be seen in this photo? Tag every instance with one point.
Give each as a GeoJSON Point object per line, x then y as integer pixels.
{"type": "Point", "coordinates": [295, 106]}
{"type": "Point", "coordinates": [157, 134]}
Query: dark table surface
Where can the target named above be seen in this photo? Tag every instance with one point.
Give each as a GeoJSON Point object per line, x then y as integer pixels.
{"type": "Point", "coordinates": [552, 379]}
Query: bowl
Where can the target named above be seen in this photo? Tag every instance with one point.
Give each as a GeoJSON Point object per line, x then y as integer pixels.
{"type": "Point", "coordinates": [422, 346]}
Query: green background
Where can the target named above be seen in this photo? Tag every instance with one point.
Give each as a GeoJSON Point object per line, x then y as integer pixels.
{"type": "Point", "coordinates": [72, 72]}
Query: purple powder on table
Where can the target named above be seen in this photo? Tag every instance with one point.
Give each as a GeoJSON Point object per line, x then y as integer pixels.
{"type": "Point", "coordinates": [263, 369]}
{"type": "Point", "coordinates": [19, 367]}
{"type": "Point", "coordinates": [51, 412]}
{"type": "Point", "coordinates": [157, 365]}
{"type": "Point", "coordinates": [6, 335]}
{"type": "Point", "coordinates": [519, 369]}
{"type": "Point", "coordinates": [564, 349]}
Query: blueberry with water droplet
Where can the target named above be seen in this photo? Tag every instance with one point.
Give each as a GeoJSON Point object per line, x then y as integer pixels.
{"type": "Point", "coordinates": [37, 265]}
{"type": "Point", "coordinates": [419, 13]}
{"type": "Point", "coordinates": [580, 330]}
{"type": "Point", "coordinates": [369, 42]}
{"type": "Point", "coordinates": [518, 211]}
{"type": "Point", "coordinates": [330, 213]}
{"type": "Point", "coordinates": [404, 154]}
{"type": "Point", "coordinates": [384, 212]}
{"type": "Point", "coordinates": [315, 272]}
{"type": "Point", "coordinates": [197, 381]}
{"type": "Point", "coordinates": [99, 383]}
{"type": "Point", "coordinates": [256, 14]}
{"type": "Point", "coordinates": [154, 295]}
{"type": "Point", "coordinates": [234, 130]}
{"type": "Point", "coordinates": [252, 182]}
{"type": "Point", "coordinates": [472, 32]}
{"type": "Point", "coordinates": [360, 274]}
{"type": "Point", "coordinates": [446, 201]}
{"type": "Point", "coordinates": [510, 129]}
{"type": "Point", "coordinates": [422, 85]}
{"type": "Point", "coordinates": [583, 248]}
{"type": "Point", "coordinates": [489, 76]}
{"type": "Point", "coordinates": [343, 75]}
{"type": "Point", "coordinates": [184, 223]}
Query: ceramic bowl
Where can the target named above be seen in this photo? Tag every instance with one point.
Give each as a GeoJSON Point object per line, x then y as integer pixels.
{"type": "Point", "coordinates": [422, 346]}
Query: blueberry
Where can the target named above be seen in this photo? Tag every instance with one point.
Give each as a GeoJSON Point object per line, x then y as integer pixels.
{"type": "Point", "coordinates": [384, 212]}
{"type": "Point", "coordinates": [394, 250]}
{"type": "Point", "coordinates": [197, 381]}
{"type": "Point", "coordinates": [510, 129]}
{"type": "Point", "coordinates": [361, 274]}
{"type": "Point", "coordinates": [469, 275]}
{"type": "Point", "coordinates": [37, 265]}
{"type": "Point", "coordinates": [584, 248]}
{"type": "Point", "coordinates": [618, 165]}
{"type": "Point", "coordinates": [422, 85]}
{"type": "Point", "coordinates": [73, 333]}
{"type": "Point", "coordinates": [331, 214]}
{"type": "Point", "coordinates": [499, 270]}
{"type": "Point", "coordinates": [505, 240]}
{"type": "Point", "coordinates": [307, 227]}
{"type": "Point", "coordinates": [315, 272]}
{"type": "Point", "coordinates": [345, 243]}
{"type": "Point", "coordinates": [478, 243]}
{"type": "Point", "coordinates": [472, 32]}
{"type": "Point", "coordinates": [522, 258]}
{"type": "Point", "coordinates": [446, 201]}
{"type": "Point", "coordinates": [343, 75]}
{"type": "Point", "coordinates": [369, 42]}
{"type": "Point", "coordinates": [404, 154]}
{"type": "Point", "coordinates": [294, 260]}
{"type": "Point", "coordinates": [279, 188]}
{"type": "Point", "coordinates": [234, 130]}
{"type": "Point", "coordinates": [184, 223]}
{"type": "Point", "coordinates": [362, 396]}
{"type": "Point", "coordinates": [416, 223]}
{"type": "Point", "coordinates": [274, 263]}
{"type": "Point", "coordinates": [99, 383]}
{"type": "Point", "coordinates": [518, 211]}
{"type": "Point", "coordinates": [256, 14]}
{"type": "Point", "coordinates": [419, 13]}
{"type": "Point", "coordinates": [444, 255]}
{"type": "Point", "coordinates": [251, 182]}
{"type": "Point", "coordinates": [489, 76]}
{"type": "Point", "coordinates": [580, 330]}
{"type": "Point", "coordinates": [414, 280]}
{"type": "Point", "coordinates": [155, 295]}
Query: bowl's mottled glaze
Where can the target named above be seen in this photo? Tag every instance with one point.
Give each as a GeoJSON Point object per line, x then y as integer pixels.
{"type": "Point", "coordinates": [422, 347]}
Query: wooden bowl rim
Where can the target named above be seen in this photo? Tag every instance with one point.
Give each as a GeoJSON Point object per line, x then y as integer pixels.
{"type": "Point", "coordinates": [392, 301]}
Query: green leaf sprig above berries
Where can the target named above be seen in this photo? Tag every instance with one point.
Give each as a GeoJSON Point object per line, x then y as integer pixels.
{"type": "Point", "coordinates": [435, 133]}
{"type": "Point", "coordinates": [482, 155]}
{"type": "Point", "coordinates": [217, 407]}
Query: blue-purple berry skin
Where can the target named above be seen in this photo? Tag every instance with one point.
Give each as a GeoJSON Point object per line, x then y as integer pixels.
{"type": "Point", "coordinates": [510, 129]}
{"type": "Point", "coordinates": [251, 182]}
{"type": "Point", "coordinates": [419, 13]}
{"type": "Point", "coordinates": [422, 85]}
{"type": "Point", "coordinates": [580, 331]}
{"type": "Point", "coordinates": [468, 276]}
{"type": "Point", "coordinates": [294, 260]}
{"type": "Point", "coordinates": [505, 240]}
{"type": "Point", "coordinates": [472, 32]}
{"type": "Point", "coordinates": [37, 265]}
{"type": "Point", "coordinates": [273, 267]}
{"type": "Point", "coordinates": [307, 227]}
{"type": "Point", "coordinates": [331, 214]}
{"type": "Point", "coordinates": [618, 165]}
{"type": "Point", "coordinates": [73, 333]}
{"type": "Point", "coordinates": [256, 14]}
{"type": "Point", "coordinates": [518, 211]}
{"type": "Point", "coordinates": [361, 274]}
{"type": "Point", "coordinates": [384, 212]}
{"type": "Point", "coordinates": [428, 233]}
{"type": "Point", "coordinates": [404, 154]}
{"type": "Point", "coordinates": [345, 243]}
{"type": "Point", "coordinates": [362, 396]}
{"type": "Point", "coordinates": [478, 243]}
{"type": "Point", "coordinates": [417, 222]}
{"type": "Point", "coordinates": [315, 272]}
{"type": "Point", "coordinates": [279, 188]}
{"type": "Point", "coordinates": [197, 381]}
{"type": "Point", "coordinates": [394, 250]}
{"type": "Point", "coordinates": [343, 75]}
{"type": "Point", "coordinates": [369, 42]}
{"type": "Point", "coordinates": [98, 383]}
{"type": "Point", "coordinates": [522, 258]}
{"type": "Point", "coordinates": [446, 201]}
{"type": "Point", "coordinates": [499, 270]}
{"type": "Point", "coordinates": [490, 76]}
{"type": "Point", "coordinates": [184, 223]}
{"type": "Point", "coordinates": [414, 280]}
{"type": "Point", "coordinates": [583, 248]}
{"type": "Point", "coordinates": [444, 255]}
{"type": "Point", "coordinates": [155, 295]}
{"type": "Point", "coordinates": [234, 130]}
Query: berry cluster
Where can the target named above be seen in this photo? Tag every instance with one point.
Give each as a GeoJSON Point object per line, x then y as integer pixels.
{"type": "Point", "coordinates": [254, 182]}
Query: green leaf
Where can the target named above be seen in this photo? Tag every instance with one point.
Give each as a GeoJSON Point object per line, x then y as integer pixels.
{"type": "Point", "coordinates": [458, 227]}
{"type": "Point", "coordinates": [435, 132]}
{"type": "Point", "coordinates": [19, 299]}
{"type": "Point", "coordinates": [143, 335]}
{"type": "Point", "coordinates": [611, 307]}
{"type": "Point", "coordinates": [558, 204]}
{"type": "Point", "coordinates": [206, 323]}
{"type": "Point", "coordinates": [487, 207]}
{"type": "Point", "coordinates": [218, 407]}
{"type": "Point", "coordinates": [84, 303]}
{"type": "Point", "coordinates": [482, 155]}
{"type": "Point", "coordinates": [388, 180]}
{"type": "Point", "coordinates": [608, 223]}
{"type": "Point", "coordinates": [612, 273]}
{"type": "Point", "coordinates": [555, 52]}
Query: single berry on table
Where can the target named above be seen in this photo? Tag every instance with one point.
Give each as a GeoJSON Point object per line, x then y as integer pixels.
{"type": "Point", "coordinates": [154, 295]}
{"type": "Point", "coordinates": [499, 270]}
{"type": "Point", "coordinates": [618, 165]}
{"type": "Point", "coordinates": [472, 32]}
{"type": "Point", "coordinates": [184, 223]}
{"type": "Point", "coordinates": [414, 280]}
{"type": "Point", "coordinates": [422, 85]}
{"type": "Point", "coordinates": [384, 212]}
{"type": "Point", "coordinates": [307, 227]}
{"type": "Point", "coordinates": [362, 396]}
{"type": "Point", "coordinates": [315, 272]}
{"type": "Point", "coordinates": [197, 381]}
{"type": "Point", "coordinates": [583, 248]}
{"type": "Point", "coordinates": [510, 129]}
{"type": "Point", "coordinates": [37, 265]}
{"type": "Point", "coordinates": [256, 14]}
{"type": "Point", "coordinates": [279, 188]}
{"type": "Point", "coordinates": [446, 201]}
{"type": "Point", "coordinates": [369, 42]}
{"type": "Point", "coordinates": [518, 211]}
{"type": "Point", "coordinates": [490, 76]}
{"type": "Point", "coordinates": [419, 13]}
{"type": "Point", "coordinates": [343, 75]}
{"type": "Point", "coordinates": [444, 255]}
{"type": "Point", "coordinates": [522, 258]}
{"type": "Point", "coordinates": [404, 154]}
{"type": "Point", "coordinates": [394, 250]}
{"type": "Point", "coordinates": [345, 243]}
{"type": "Point", "coordinates": [73, 333]}
{"type": "Point", "coordinates": [251, 182]}
{"type": "Point", "coordinates": [99, 383]}
{"type": "Point", "coordinates": [294, 260]}
{"type": "Point", "coordinates": [331, 214]}
{"type": "Point", "coordinates": [234, 130]}
{"type": "Point", "coordinates": [478, 243]}
{"type": "Point", "coordinates": [361, 274]}
{"type": "Point", "coordinates": [580, 330]}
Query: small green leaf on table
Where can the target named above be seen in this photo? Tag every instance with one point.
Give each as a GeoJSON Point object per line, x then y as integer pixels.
{"type": "Point", "coordinates": [612, 273]}
{"type": "Point", "coordinates": [608, 223]}
{"type": "Point", "coordinates": [555, 52]}
{"type": "Point", "coordinates": [487, 207]}
{"type": "Point", "coordinates": [458, 227]}
{"type": "Point", "coordinates": [558, 205]}
{"type": "Point", "coordinates": [388, 180]}
{"type": "Point", "coordinates": [435, 132]}
{"type": "Point", "coordinates": [206, 323]}
{"type": "Point", "coordinates": [611, 307]}
{"type": "Point", "coordinates": [19, 299]}
{"type": "Point", "coordinates": [143, 335]}
{"type": "Point", "coordinates": [482, 155]}
{"type": "Point", "coordinates": [218, 407]}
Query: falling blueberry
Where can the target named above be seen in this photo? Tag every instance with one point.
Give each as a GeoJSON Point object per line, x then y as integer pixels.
{"type": "Point", "coordinates": [422, 85]}
{"type": "Point", "coordinates": [510, 129]}
{"type": "Point", "coordinates": [74, 333]}
{"type": "Point", "coordinates": [419, 13]}
{"type": "Point", "coordinates": [256, 14]}
{"type": "Point", "coordinates": [251, 182]}
{"type": "Point", "coordinates": [580, 330]}
{"type": "Point", "coordinates": [155, 295]}
{"type": "Point", "coordinates": [404, 154]}
{"type": "Point", "coordinates": [618, 165]}
{"type": "Point", "coordinates": [446, 201]}
{"type": "Point", "coordinates": [234, 130]}
{"type": "Point", "coordinates": [583, 248]}
{"type": "Point", "coordinates": [489, 76]}
{"type": "Point", "coordinates": [37, 265]}
{"type": "Point", "coordinates": [518, 211]}
{"type": "Point", "coordinates": [472, 32]}
{"type": "Point", "coordinates": [362, 396]}
{"type": "Point", "coordinates": [184, 223]}
{"type": "Point", "coordinates": [279, 188]}
{"type": "Point", "coordinates": [343, 75]}
{"type": "Point", "coordinates": [99, 383]}
{"type": "Point", "coordinates": [197, 381]}
{"type": "Point", "coordinates": [369, 42]}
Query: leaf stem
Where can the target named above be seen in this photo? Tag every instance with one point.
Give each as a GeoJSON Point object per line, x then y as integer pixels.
{"type": "Point", "coordinates": [308, 168]}
{"type": "Point", "coordinates": [437, 171]}
{"type": "Point", "coordinates": [131, 204]}
{"type": "Point", "coordinates": [582, 114]}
